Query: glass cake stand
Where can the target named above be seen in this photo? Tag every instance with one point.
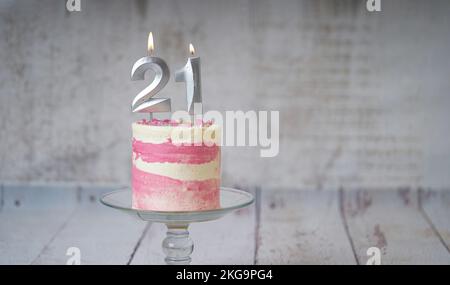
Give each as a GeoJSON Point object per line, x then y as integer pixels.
{"type": "Point", "coordinates": [177, 245]}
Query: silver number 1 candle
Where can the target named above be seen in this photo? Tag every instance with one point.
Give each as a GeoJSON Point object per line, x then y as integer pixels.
{"type": "Point", "coordinates": [190, 74]}
{"type": "Point", "coordinates": [143, 102]}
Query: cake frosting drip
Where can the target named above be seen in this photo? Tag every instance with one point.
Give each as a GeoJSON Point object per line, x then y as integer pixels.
{"type": "Point", "coordinates": [170, 177]}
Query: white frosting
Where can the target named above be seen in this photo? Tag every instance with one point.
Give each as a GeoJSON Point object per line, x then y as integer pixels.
{"type": "Point", "coordinates": [181, 171]}
{"type": "Point", "coordinates": [210, 135]}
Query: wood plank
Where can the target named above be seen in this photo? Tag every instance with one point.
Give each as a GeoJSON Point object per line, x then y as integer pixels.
{"type": "Point", "coordinates": [296, 227]}
{"type": "Point", "coordinates": [302, 227]}
{"type": "Point", "coordinates": [150, 250]}
{"type": "Point", "coordinates": [391, 221]}
{"type": "Point", "coordinates": [103, 235]}
{"type": "Point", "coordinates": [2, 197]}
{"type": "Point", "coordinates": [30, 218]}
{"type": "Point", "coordinates": [229, 240]}
{"type": "Point", "coordinates": [436, 207]}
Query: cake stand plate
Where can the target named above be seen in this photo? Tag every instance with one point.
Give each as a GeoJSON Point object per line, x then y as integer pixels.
{"type": "Point", "coordinates": [177, 245]}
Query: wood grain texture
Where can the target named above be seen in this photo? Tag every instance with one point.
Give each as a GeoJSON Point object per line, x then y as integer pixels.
{"type": "Point", "coordinates": [39, 224]}
{"type": "Point", "coordinates": [302, 227]}
{"type": "Point", "coordinates": [362, 98]}
{"type": "Point", "coordinates": [31, 218]}
{"type": "Point", "coordinates": [391, 221]}
{"type": "Point", "coordinates": [149, 250]}
{"type": "Point", "coordinates": [103, 235]}
{"type": "Point", "coordinates": [436, 208]}
{"type": "Point", "coordinates": [229, 240]}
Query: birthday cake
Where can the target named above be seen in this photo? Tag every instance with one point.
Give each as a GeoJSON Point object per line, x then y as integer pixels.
{"type": "Point", "coordinates": [175, 173]}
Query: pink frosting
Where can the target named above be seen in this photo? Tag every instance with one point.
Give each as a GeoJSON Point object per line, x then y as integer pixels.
{"type": "Point", "coordinates": [168, 152]}
{"type": "Point", "coordinates": [162, 193]}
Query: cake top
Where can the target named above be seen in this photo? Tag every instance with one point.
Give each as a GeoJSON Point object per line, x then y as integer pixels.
{"type": "Point", "coordinates": [173, 123]}
{"type": "Point", "coordinates": [166, 131]}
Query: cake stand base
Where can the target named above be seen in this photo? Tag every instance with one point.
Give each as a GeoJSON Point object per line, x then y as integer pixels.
{"type": "Point", "coordinates": [177, 245]}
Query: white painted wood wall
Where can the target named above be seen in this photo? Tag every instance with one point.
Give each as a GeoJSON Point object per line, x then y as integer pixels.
{"type": "Point", "coordinates": [363, 97]}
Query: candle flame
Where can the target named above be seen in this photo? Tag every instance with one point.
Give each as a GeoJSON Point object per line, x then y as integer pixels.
{"type": "Point", "coordinates": [150, 45]}
{"type": "Point", "coordinates": [191, 49]}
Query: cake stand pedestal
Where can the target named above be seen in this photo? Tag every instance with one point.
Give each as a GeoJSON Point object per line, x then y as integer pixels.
{"type": "Point", "coordinates": [177, 245]}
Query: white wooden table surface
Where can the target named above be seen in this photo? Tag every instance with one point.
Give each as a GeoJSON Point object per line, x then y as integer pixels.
{"type": "Point", "coordinates": [39, 224]}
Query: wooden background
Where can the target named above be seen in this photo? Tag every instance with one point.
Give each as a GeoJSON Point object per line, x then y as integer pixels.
{"type": "Point", "coordinates": [284, 226]}
{"type": "Point", "coordinates": [363, 97]}
{"type": "Point", "coordinates": [363, 101]}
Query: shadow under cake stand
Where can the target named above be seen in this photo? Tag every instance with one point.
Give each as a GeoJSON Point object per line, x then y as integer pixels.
{"type": "Point", "coordinates": [177, 245]}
